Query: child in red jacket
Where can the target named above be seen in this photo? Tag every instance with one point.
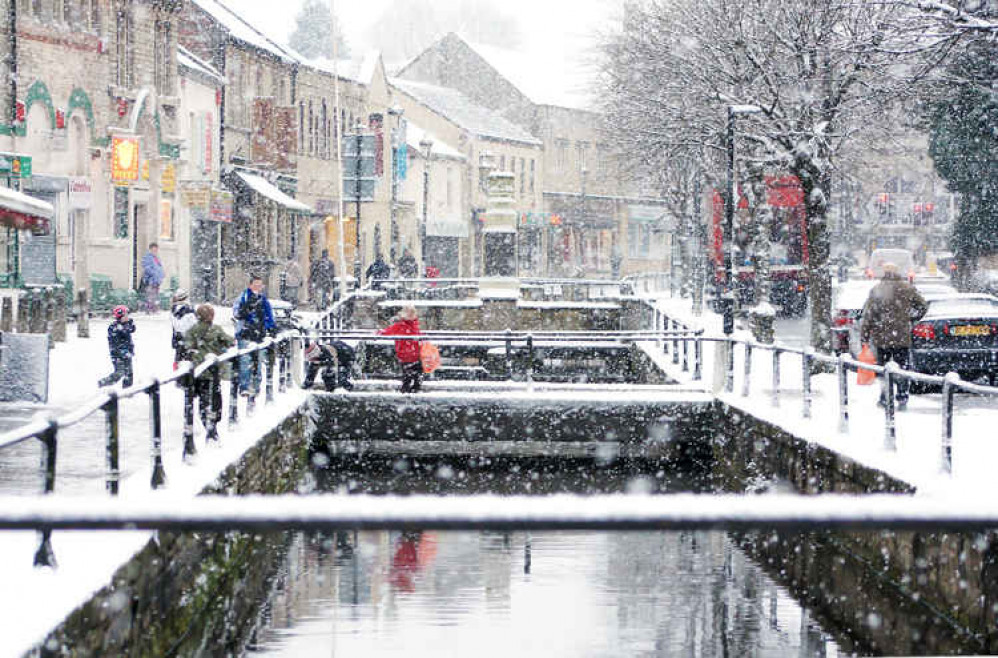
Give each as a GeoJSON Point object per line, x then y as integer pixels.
{"type": "Point", "coordinates": [407, 351]}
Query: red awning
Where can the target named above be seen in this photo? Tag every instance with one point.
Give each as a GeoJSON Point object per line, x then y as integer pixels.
{"type": "Point", "coordinates": [23, 212]}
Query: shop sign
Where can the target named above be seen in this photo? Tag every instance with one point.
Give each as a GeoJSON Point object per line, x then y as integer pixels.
{"type": "Point", "coordinates": [124, 159]}
{"type": "Point", "coordinates": [15, 166]}
{"type": "Point", "coordinates": [80, 190]}
{"type": "Point", "coordinates": [168, 181]}
{"type": "Point", "coordinates": [197, 199]}
{"type": "Point", "coordinates": [221, 206]}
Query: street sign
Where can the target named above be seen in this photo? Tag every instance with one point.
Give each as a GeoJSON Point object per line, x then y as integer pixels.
{"type": "Point", "coordinates": [358, 153]}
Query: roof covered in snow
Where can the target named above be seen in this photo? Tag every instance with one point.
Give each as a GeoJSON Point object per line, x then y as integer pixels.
{"type": "Point", "coordinates": [240, 29]}
{"type": "Point", "coordinates": [191, 62]}
{"type": "Point", "coordinates": [461, 110]}
{"type": "Point", "coordinates": [414, 134]}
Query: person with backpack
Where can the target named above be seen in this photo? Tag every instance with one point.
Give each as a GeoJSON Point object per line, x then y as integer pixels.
{"type": "Point", "coordinates": [182, 319]}
{"type": "Point", "coordinates": [202, 339]}
{"type": "Point", "coordinates": [254, 320]}
{"type": "Point", "coordinates": [121, 347]}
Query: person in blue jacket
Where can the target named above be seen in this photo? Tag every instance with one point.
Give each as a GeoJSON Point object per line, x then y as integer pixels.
{"type": "Point", "coordinates": [152, 277]}
{"type": "Point", "coordinates": [254, 320]}
{"type": "Point", "coordinates": [119, 342]}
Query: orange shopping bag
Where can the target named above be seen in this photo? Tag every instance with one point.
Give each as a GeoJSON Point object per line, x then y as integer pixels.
{"type": "Point", "coordinates": [429, 355]}
{"type": "Point", "coordinates": [866, 377]}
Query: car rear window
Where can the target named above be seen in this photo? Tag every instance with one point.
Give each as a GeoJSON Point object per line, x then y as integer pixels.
{"type": "Point", "coordinates": [963, 307]}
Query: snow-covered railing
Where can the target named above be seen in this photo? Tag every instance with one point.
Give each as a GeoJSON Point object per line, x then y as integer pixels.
{"type": "Point", "coordinates": [607, 512]}
{"type": "Point", "coordinates": [459, 287]}
{"type": "Point", "coordinates": [274, 352]}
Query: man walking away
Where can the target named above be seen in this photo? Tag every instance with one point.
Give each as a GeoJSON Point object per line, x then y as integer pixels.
{"type": "Point", "coordinates": [121, 347]}
{"type": "Point", "coordinates": [892, 307]}
{"type": "Point", "coordinates": [152, 276]}
{"type": "Point", "coordinates": [292, 281]}
{"type": "Point", "coordinates": [202, 339]}
{"type": "Point", "coordinates": [254, 320]}
{"type": "Point", "coordinates": [378, 271]}
{"type": "Point", "coordinates": [407, 351]}
{"type": "Point", "coordinates": [322, 278]}
{"type": "Point", "coordinates": [408, 267]}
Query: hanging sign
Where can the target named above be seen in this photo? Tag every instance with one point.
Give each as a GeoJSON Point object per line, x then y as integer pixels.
{"type": "Point", "coordinates": [80, 191]}
{"type": "Point", "coordinates": [124, 159]}
{"type": "Point", "coordinates": [221, 206]}
{"type": "Point", "coordinates": [168, 181]}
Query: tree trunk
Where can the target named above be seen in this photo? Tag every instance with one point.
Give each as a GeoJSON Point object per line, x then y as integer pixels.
{"type": "Point", "coordinates": [816, 185]}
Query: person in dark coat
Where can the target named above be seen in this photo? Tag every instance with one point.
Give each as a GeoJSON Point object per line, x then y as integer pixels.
{"type": "Point", "coordinates": [892, 307]}
{"type": "Point", "coordinates": [378, 271]}
{"type": "Point", "coordinates": [202, 339]}
{"type": "Point", "coordinates": [121, 347]}
{"type": "Point", "coordinates": [334, 361]}
{"type": "Point", "coordinates": [182, 319]}
{"type": "Point", "coordinates": [408, 267]}
{"type": "Point", "coordinates": [322, 278]}
{"type": "Point", "coordinates": [407, 351]}
{"type": "Point", "coordinates": [254, 320]}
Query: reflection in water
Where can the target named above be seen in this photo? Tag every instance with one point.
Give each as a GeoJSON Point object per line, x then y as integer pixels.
{"type": "Point", "coordinates": [553, 594]}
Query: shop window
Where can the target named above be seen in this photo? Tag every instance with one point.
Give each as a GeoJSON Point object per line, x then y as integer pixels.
{"type": "Point", "coordinates": [124, 55]}
{"type": "Point", "coordinates": [164, 64]}
{"type": "Point", "coordinates": [121, 212]}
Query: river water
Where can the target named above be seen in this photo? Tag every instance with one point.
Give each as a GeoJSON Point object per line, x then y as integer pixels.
{"type": "Point", "coordinates": [518, 594]}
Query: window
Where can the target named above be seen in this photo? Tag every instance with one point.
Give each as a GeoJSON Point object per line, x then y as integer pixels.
{"type": "Point", "coordinates": [324, 131]}
{"type": "Point", "coordinates": [124, 57]}
{"type": "Point", "coordinates": [121, 212]}
{"type": "Point", "coordinates": [523, 177]}
{"type": "Point", "coordinates": [638, 239]}
{"type": "Point", "coordinates": [502, 163]}
{"type": "Point", "coordinates": [531, 176]}
{"type": "Point", "coordinates": [561, 151]}
{"type": "Point", "coordinates": [311, 129]}
{"type": "Point", "coordinates": [301, 127]}
{"type": "Point", "coordinates": [582, 148]}
{"type": "Point", "coordinates": [163, 57]}
{"type": "Point", "coordinates": [95, 15]}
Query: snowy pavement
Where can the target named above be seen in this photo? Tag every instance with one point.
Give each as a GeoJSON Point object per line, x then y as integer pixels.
{"type": "Point", "coordinates": [918, 456]}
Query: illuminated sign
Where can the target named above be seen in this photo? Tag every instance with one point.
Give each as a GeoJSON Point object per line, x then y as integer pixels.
{"type": "Point", "coordinates": [125, 158]}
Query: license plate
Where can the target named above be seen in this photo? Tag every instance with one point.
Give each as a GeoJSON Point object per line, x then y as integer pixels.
{"type": "Point", "coordinates": [971, 330]}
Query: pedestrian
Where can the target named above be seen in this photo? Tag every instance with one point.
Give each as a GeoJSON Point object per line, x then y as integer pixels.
{"type": "Point", "coordinates": [292, 279]}
{"type": "Point", "coordinates": [121, 347]}
{"type": "Point", "coordinates": [182, 319]}
{"type": "Point", "coordinates": [202, 339]}
{"type": "Point", "coordinates": [322, 278]}
{"type": "Point", "coordinates": [334, 361]}
{"type": "Point", "coordinates": [892, 307]}
{"type": "Point", "coordinates": [378, 271]}
{"type": "Point", "coordinates": [152, 276]}
{"type": "Point", "coordinates": [254, 321]}
{"type": "Point", "coordinates": [408, 267]}
{"type": "Point", "coordinates": [407, 351]}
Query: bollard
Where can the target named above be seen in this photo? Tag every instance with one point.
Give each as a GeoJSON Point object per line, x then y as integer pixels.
{"type": "Point", "coordinates": [233, 391]}
{"type": "Point", "coordinates": [271, 359]}
{"type": "Point", "coordinates": [111, 445]}
{"type": "Point", "coordinates": [890, 431]}
{"type": "Point", "coordinates": [805, 379]}
{"type": "Point", "coordinates": [282, 366]}
{"type": "Point", "coordinates": [156, 429]}
{"type": "Point", "coordinates": [23, 323]}
{"type": "Point", "coordinates": [6, 315]}
{"type": "Point", "coordinates": [48, 297]}
{"type": "Point", "coordinates": [950, 383]}
{"type": "Point", "coordinates": [59, 318]}
{"type": "Point", "coordinates": [189, 448]}
{"type": "Point", "coordinates": [214, 402]}
{"type": "Point", "coordinates": [675, 343]}
{"type": "Point", "coordinates": [44, 556]}
{"type": "Point", "coordinates": [747, 376]}
{"type": "Point", "coordinates": [254, 381]}
{"type": "Point", "coordinates": [686, 353]}
{"type": "Point", "coordinates": [36, 319]}
{"type": "Point", "coordinates": [776, 377]}
{"type": "Point", "coordinates": [697, 358]}
{"type": "Point", "coordinates": [843, 375]}
{"type": "Point", "coordinates": [82, 314]}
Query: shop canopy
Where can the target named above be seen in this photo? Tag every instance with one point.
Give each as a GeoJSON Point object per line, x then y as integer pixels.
{"type": "Point", "coordinates": [21, 211]}
{"type": "Point", "coordinates": [265, 188]}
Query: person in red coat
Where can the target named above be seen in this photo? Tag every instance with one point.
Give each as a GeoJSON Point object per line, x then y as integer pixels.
{"type": "Point", "coordinates": [407, 351]}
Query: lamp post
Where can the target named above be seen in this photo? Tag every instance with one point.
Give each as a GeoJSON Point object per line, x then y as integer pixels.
{"type": "Point", "coordinates": [426, 147]}
{"type": "Point", "coordinates": [728, 299]}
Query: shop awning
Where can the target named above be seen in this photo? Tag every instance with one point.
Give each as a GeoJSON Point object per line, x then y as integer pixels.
{"type": "Point", "coordinates": [443, 227]}
{"type": "Point", "coordinates": [20, 211]}
{"type": "Point", "coordinates": [265, 188]}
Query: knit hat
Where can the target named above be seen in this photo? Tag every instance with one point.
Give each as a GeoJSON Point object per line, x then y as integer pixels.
{"type": "Point", "coordinates": [312, 351]}
{"type": "Point", "coordinates": [205, 313]}
{"type": "Point", "coordinates": [181, 295]}
{"type": "Point", "coordinates": [119, 312]}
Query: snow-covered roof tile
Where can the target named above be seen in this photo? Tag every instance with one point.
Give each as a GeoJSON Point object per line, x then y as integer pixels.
{"type": "Point", "coordinates": [460, 109]}
{"type": "Point", "coordinates": [191, 62]}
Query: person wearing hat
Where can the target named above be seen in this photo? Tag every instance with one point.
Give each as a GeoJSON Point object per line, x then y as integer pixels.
{"type": "Point", "coordinates": [892, 307]}
{"type": "Point", "coordinates": [202, 339]}
{"type": "Point", "coordinates": [407, 351]}
{"type": "Point", "coordinates": [182, 319]}
{"type": "Point", "coordinates": [119, 342]}
{"type": "Point", "coordinates": [333, 360]}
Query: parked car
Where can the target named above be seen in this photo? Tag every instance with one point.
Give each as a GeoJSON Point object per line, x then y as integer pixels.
{"type": "Point", "coordinates": [848, 300]}
{"type": "Point", "coordinates": [903, 258]}
{"type": "Point", "coordinates": [959, 333]}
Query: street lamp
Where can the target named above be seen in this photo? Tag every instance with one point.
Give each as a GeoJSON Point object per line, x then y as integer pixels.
{"type": "Point", "coordinates": [728, 298]}
{"type": "Point", "coordinates": [426, 147]}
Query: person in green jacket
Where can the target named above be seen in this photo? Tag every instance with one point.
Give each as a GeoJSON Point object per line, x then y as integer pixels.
{"type": "Point", "coordinates": [202, 339]}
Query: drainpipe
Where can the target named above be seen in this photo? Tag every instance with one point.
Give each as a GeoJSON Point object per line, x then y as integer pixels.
{"type": "Point", "coordinates": [12, 16]}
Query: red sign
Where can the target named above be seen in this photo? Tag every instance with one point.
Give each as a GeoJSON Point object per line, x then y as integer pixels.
{"type": "Point", "coordinates": [125, 158]}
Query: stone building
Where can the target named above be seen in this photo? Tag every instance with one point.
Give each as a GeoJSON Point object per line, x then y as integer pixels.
{"type": "Point", "coordinates": [92, 100]}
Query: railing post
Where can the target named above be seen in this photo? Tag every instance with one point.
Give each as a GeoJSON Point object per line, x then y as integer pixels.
{"type": "Point", "coordinates": [254, 380]}
{"type": "Point", "coordinates": [188, 383]}
{"type": "Point", "coordinates": [697, 358]}
{"type": "Point", "coordinates": [509, 355]}
{"type": "Point", "coordinates": [686, 353]}
{"type": "Point", "coordinates": [675, 344]}
{"type": "Point", "coordinates": [282, 365]}
{"type": "Point", "coordinates": [233, 391]}
{"type": "Point", "coordinates": [805, 380]}
{"type": "Point", "coordinates": [776, 377]}
{"type": "Point", "coordinates": [156, 430]}
{"type": "Point", "coordinates": [214, 414]}
{"type": "Point", "coordinates": [530, 359]}
{"type": "Point", "coordinates": [44, 556]}
{"type": "Point", "coordinates": [747, 376]}
{"type": "Point", "coordinates": [659, 320]}
{"type": "Point", "coordinates": [890, 431]}
{"type": "Point", "coordinates": [111, 444]}
{"type": "Point", "coordinates": [949, 388]}
{"type": "Point", "coordinates": [729, 374]}
{"type": "Point", "coordinates": [843, 375]}
{"type": "Point", "coordinates": [270, 373]}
